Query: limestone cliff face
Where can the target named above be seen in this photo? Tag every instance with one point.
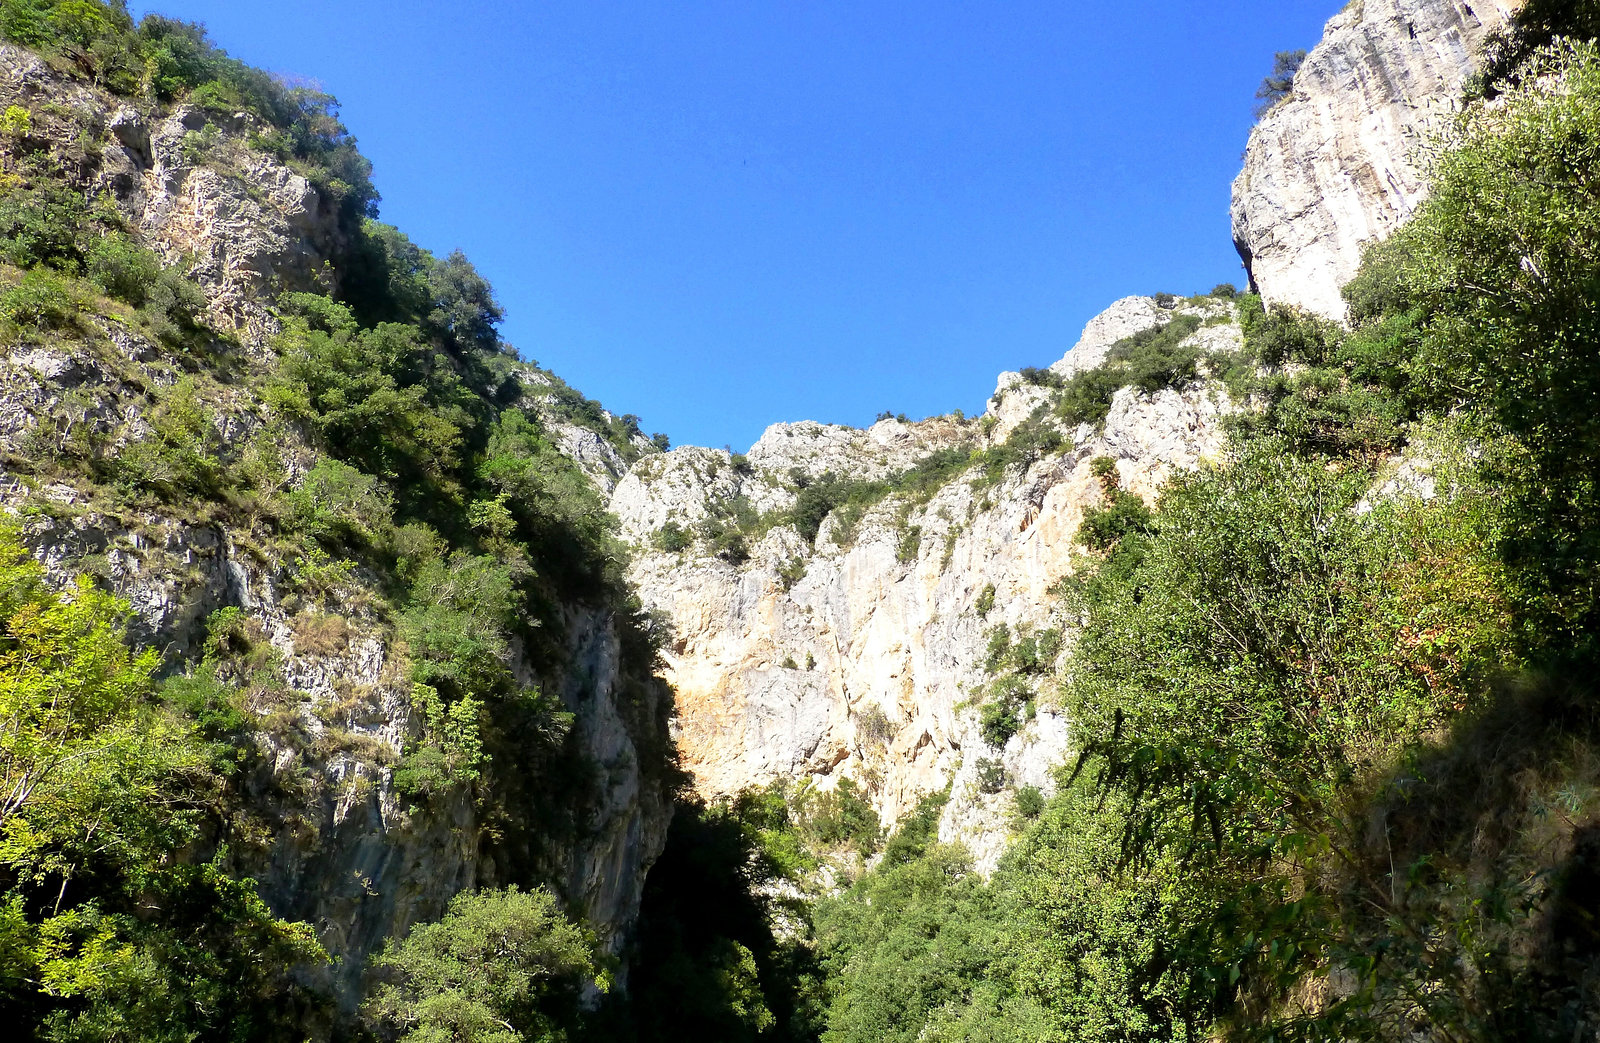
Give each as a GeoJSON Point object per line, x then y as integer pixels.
{"type": "Point", "coordinates": [1335, 166]}
{"type": "Point", "coordinates": [859, 654]}
{"type": "Point", "coordinates": [340, 847]}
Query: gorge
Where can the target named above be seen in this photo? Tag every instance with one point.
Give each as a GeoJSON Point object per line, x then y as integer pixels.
{"type": "Point", "coordinates": [1226, 677]}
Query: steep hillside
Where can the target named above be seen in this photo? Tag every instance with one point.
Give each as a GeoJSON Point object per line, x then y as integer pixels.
{"type": "Point", "coordinates": [339, 507]}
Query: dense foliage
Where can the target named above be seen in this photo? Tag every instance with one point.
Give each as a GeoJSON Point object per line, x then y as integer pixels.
{"type": "Point", "coordinates": [390, 462]}
{"type": "Point", "coordinates": [498, 967]}
{"type": "Point", "coordinates": [104, 935]}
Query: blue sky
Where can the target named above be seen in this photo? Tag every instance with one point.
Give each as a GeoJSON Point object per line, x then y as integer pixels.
{"type": "Point", "coordinates": [721, 214]}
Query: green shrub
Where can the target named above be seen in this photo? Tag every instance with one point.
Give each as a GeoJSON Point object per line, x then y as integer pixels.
{"type": "Point", "coordinates": [450, 753]}
{"type": "Point", "coordinates": [213, 706]}
{"type": "Point", "coordinates": [173, 307]}
{"type": "Point", "coordinates": [1104, 469]}
{"type": "Point", "coordinates": [838, 817]}
{"type": "Point", "coordinates": [1328, 391]}
{"type": "Point", "coordinates": [501, 966]}
{"type": "Point", "coordinates": [123, 269]}
{"type": "Point", "coordinates": [998, 722]}
{"type": "Point", "coordinates": [181, 455]}
{"type": "Point", "coordinates": [27, 22]}
{"type": "Point", "coordinates": [909, 543]}
{"type": "Point", "coordinates": [673, 538]}
{"type": "Point", "coordinates": [16, 122]}
{"type": "Point", "coordinates": [730, 545]}
{"type": "Point", "coordinates": [985, 601]}
{"type": "Point", "coordinates": [1031, 440]}
{"type": "Point", "coordinates": [339, 505]}
{"type": "Point", "coordinates": [792, 571]}
{"type": "Point", "coordinates": [990, 775]}
{"type": "Point", "coordinates": [41, 302]}
{"type": "Point", "coordinates": [1027, 802]}
{"type": "Point", "coordinates": [999, 646]}
{"type": "Point", "coordinates": [1125, 515]}
{"type": "Point", "coordinates": [1279, 83]}
{"type": "Point", "coordinates": [1041, 377]}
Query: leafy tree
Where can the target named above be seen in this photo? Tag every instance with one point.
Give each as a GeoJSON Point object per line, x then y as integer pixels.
{"type": "Point", "coordinates": [104, 933]}
{"type": "Point", "coordinates": [1500, 266]}
{"type": "Point", "coordinates": [906, 944]}
{"type": "Point", "coordinates": [501, 966]}
{"type": "Point", "coordinates": [465, 308]}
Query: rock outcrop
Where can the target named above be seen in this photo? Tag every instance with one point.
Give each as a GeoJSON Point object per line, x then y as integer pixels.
{"type": "Point", "coordinates": [861, 654]}
{"type": "Point", "coordinates": [1336, 165]}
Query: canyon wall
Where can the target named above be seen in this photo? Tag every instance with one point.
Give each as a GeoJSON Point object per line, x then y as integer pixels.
{"type": "Point", "coordinates": [860, 654]}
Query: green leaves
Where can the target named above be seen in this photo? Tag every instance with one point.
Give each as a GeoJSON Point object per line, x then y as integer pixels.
{"type": "Point", "coordinates": [499, 967]}
{"type": "Point", "coordinates": [106, 932]}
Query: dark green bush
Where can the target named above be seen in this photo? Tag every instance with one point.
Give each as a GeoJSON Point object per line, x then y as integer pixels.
{"type": "Point", "coordinates": [340, 505]}
{"type": "Point", "coordinates": [1278, 84]}
{"type": "Point", "coordinates": [673, 538]}
{"type": "Point", "coordinates": [1126, 514]}
{"type": "Point", "coordinates": [841, 816]}
{"type": "Point", "coordinates": [990, 776]}
{"type": "Point", "coordinates": [909, 544]}
{"type": "Point", "coordinates": [41, 302]}
{"type": "Point", "coordinates": [1041, 377]}
{"type": "Point", "coordinates": [121, 268]}
{"type": "Point", "coordinates": [998, 722]}
{"type": "Point", "coordinates": [41, 226]}
{"type": "Point", "coordinates": [1028, 802]}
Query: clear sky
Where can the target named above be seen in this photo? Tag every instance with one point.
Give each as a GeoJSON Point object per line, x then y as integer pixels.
{"type": "Point", "coordinates": [718, 214]}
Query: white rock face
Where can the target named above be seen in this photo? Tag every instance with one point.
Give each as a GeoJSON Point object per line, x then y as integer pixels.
{"type": "Point", "coordinates": [1124, 318]}
{"type": "Point", "coordinates": [683, 485]}
{"type": "Point", "coordinates": [1335, 166]}
{"type": "Point", "coordinates": [862, 656]}
{"type": "Point", "coordinates": [1015, 400]}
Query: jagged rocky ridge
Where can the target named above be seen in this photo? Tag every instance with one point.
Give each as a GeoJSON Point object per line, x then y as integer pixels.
{"type": "Point", "coordinates": [861, 654]}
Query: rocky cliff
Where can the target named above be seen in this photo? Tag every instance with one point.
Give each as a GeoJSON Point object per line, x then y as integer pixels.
{"type": "Point", "coordinates": [861, 653]}
{"type": "Point", "coordinates": [868, 652]}
{"type": "Point", "coordinates": [1337, 164]}
{"type": "Point", "coordinates": [325, 670]}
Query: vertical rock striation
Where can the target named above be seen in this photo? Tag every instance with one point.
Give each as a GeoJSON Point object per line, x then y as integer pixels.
{"type": "Point", "coordinates": [1335, 166]}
